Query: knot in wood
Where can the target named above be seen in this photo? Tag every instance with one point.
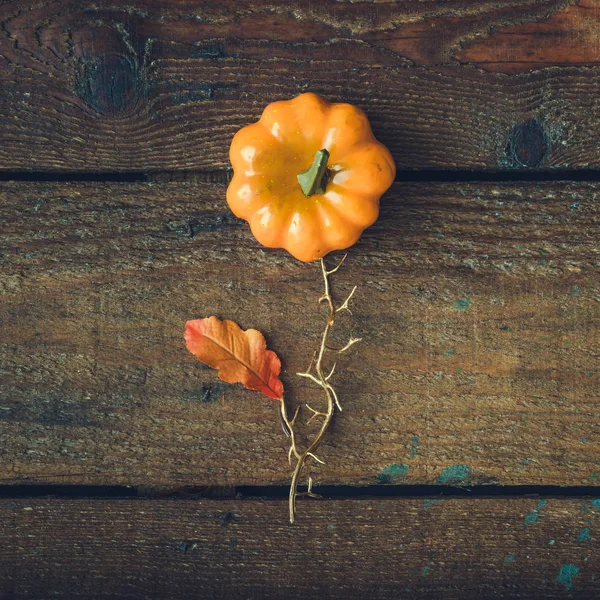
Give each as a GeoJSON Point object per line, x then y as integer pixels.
{"type": "Point", "coordinates": [109, 84]}
{"type": "Point", "coordinates": [528, 144]}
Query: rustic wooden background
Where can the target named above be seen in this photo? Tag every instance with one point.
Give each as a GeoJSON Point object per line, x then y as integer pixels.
{"type": "Point", "coordinates": [466, 461]}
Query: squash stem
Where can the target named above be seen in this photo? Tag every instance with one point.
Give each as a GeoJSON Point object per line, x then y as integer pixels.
{"type": "Point", "coordinates": [314, 179]}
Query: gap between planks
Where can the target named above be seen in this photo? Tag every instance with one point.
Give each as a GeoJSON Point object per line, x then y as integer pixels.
{"type": "Point", "coordinates": [277, 492]}
{"type": "Point", "coordinates": [223, 176]}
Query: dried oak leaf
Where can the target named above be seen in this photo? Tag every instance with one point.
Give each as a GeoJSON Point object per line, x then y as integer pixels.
{"type": "Point", "coordinates": [239, 356]}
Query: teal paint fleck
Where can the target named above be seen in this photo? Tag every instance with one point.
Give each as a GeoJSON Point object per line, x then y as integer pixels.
{"type": "Point", "coordinates": [566, 575]}
{"type": "Point", "coordinates": [552, 542]}
{"type": "Point", "coordinates": [463, 304]}
{"type": "Point", "coordinates": [593, 505]}
{"type": "Point", "coordinates": [450, 353]}
{"type": "Point", "coordinates": [534, 515]}
{"type": "Point", "coordinates": [584, 440]}
{"type": "Point", "coordinates": [455, 474]}
{"type": "Point", "coordinates": [429, 502]}
{"type": "Point", "coordinates": [425, 571]}
{"type": "Point", "coordinates": [392, 473]}
{"type": "Point", "coordinates": [509, 559]}
{"type": "Point", "coordinates": [584, 535]}
{"type": "Point", "coordinates": [414, 447]}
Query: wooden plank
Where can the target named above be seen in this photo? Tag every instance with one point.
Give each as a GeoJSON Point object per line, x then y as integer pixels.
{"type": "Point", "coordinates": [533, 45]}
{"type": "Point", "coordinates": [396, 548]}
{"type": "Point", "coordinates": [154, 86]}
{"type": "Point", "coordinates": [478, 304]}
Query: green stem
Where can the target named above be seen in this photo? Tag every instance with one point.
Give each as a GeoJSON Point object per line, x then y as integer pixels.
{"type": "Point", "coordinates": [314, 179]}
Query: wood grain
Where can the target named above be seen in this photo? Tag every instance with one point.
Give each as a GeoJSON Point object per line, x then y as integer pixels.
{"type": "Point", "coordinates": [568, 37]}
{"type": "Point", "coordinates": [418, 548]}
{"type": "Point", "coordinates": [154, 86]}
{"type": "Point", "coordinates": [478, 305]}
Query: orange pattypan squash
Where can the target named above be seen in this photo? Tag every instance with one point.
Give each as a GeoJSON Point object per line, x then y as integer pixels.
{"type": "Point", "coordinates": [308, 176]}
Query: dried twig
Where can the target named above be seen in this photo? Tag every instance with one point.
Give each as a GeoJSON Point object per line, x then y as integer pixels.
{"type": "Point", "coordinates": [316, 373]}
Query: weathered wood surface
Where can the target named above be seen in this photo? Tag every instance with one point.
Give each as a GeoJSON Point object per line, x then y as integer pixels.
{"type": "Point", "coordinates": [565, 38]}
{"type": "Point", "coordinates": [478, 304]}
{"type": "Point", "coordinates": [452, 549]}
{"type": "Point", "coordinates": [152, 86]}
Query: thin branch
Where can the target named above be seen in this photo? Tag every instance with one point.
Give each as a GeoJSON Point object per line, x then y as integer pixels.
{"type": "Point", "coordinates": [309, 491]}
{"type": "Point", "coordinates": [344, 306]}
{"type": "Point", "coordinates": [312, 362]}
{"type": "Point", "coordinates": [349, 345]}
{"type": "Point", "coordinates": [315, 457]}
{"type": "Point", "coordinates": [328, 377]}
{"type": "Point", "coordinates": [289, 425]}
{"type": "Point", "coordinates": [309, 376]}
{"type": "Point", "coordinates": [335, 397]}
{"type": "Point", "coordinates": [335, 269]}
{"type": "Point", "coordinates": [316, 414]}
{"type": "Point", "coordinates": [294, 417]}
